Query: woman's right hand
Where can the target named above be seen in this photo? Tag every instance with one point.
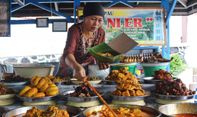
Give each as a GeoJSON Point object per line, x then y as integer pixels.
{"type": "Point", "coordinates": [79, 72]}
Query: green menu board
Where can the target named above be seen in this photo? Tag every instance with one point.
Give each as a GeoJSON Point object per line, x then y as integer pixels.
{"type": "Point", "coordinates": [4, 18]}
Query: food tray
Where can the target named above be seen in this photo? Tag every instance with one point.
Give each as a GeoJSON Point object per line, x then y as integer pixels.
{"type": "Point", "coordinates": [27, 99]}
{"type": "Point", "coordinates": [151, 111]}
{"type": "Point", "coordinates": [130, 98]}
{"type": "Point", "coordinates": [174, 97]}
{"type": "Point", "coordinates": [180, 108]}
{"type": "Point", "coordinates": [73, 111]}
{"type": "Point", "coordinates": [67, 97]}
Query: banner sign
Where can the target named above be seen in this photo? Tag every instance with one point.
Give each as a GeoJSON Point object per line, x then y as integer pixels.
{"type": "Point", "coordinates": [4, 18]}
{"type": "Point", "coordinates": [144, 25]}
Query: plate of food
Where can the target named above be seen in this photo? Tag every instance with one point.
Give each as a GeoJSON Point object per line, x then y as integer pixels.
{"type": "Point", "coordinates": [6, 93]}
{"type": "Point", "coordinates": [58, 111]}
{"type": "Point", "coordinates": [173, 90]}
{"type": "Point", "coordinates": [80, 94]}
{"type": "Point", "coordinates": [74, 97]}
{"type": "Point", "coordinates": [121, 110]}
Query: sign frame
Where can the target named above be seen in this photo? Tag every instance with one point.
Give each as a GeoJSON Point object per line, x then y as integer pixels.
{"type": "Point", "coordinates": [59, 26]}
{"type": "Point", "coordinates": [156, 38]}
{"type": "Point", "coordinates": [42, 22]}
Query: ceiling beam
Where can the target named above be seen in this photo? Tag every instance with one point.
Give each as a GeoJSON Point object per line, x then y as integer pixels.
{"type": "Point", "coordinates": [56, 6]}
{"type": "Point", "coordinates": [51, 10]}
{"type": "Point", "coordinates": [20, 2]}
{"type": "Point", "coordinates": [183, 2]}
{"type": "Point", "coordinates": [18, 7]}
{"type": "Point", "coordinates": [71, 1]}
{"type": "Point", "coordinates": [191, 3]}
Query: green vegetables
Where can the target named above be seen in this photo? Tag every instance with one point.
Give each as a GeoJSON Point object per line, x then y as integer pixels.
{"type": "Point", "coordinates": [177, 65]}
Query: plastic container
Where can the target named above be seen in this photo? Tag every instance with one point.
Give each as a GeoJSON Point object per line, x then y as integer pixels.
{"type": "Point", "coordinates": [30, 70]}
{"type": "Point", "coordinates": [103, 48]}
{"type": "Point", "coordinates": [150, 68]}
{"type": "Point", "coordinates": [93, 70]}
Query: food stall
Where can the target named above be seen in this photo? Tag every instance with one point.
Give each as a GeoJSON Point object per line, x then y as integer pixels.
{"type": "Point", "coordinates": [156, 93]}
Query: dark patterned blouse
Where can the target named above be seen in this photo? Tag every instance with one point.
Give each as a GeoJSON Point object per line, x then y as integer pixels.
{"type": "Point", "coordinates": [77, 45]}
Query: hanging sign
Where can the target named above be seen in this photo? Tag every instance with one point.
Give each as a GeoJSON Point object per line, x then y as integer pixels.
{"type": "Point", "coordinates": [144, 25]}
{"type": "Point", "coordinates": [4, 18]}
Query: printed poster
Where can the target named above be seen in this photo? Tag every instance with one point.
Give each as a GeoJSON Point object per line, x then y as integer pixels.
{"type": "Point", "coordinates": [144, 25]}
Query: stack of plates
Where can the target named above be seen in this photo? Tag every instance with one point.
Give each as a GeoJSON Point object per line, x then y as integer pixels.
{"type": "Point", "coordinates": [7, 99]}
{"type": "Point", "coordinates": [19, 112]}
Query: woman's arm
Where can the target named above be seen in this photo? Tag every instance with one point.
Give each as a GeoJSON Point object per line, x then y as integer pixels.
{"type": "Point", "coordinates": [79, 71]}
{"type": "Point", "coordinates": [69, 50]}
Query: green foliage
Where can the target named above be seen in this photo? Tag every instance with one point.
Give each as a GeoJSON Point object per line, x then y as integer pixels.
{"type": "Point", "coordinates": [177, 64]}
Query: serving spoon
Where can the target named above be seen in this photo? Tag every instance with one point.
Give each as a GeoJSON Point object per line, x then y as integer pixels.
{"type": "Point", "coordinates": [100, 97]}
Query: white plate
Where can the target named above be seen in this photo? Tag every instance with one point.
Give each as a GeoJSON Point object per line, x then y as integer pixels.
{"type": "Point", "coordinates": [14, 83]}
{"type": "Point", "coordinates": [148, 78]}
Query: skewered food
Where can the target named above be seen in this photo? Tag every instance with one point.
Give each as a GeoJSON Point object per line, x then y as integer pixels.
{"type": "Point", "coordinates": [131, 59]}
{"type": "Point", "coordinates": [154, 58]}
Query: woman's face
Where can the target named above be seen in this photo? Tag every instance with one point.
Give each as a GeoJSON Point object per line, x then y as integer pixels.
{"type": "Point", "coordinates": [92, 23]}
